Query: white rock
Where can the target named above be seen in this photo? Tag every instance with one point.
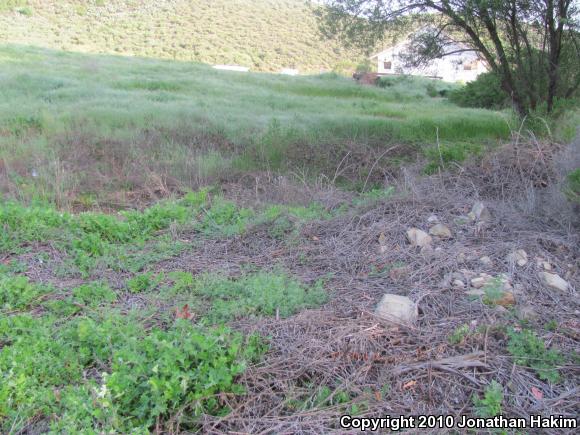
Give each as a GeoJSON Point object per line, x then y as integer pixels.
{"type": "Point", "coordinates": [479, 212]}
{"type": "Point", "coordinates": [519, 257]}
{"type": "Point", "coordinates": [485, 260]}
{"type": "Point", "coordinates": [418, 237]}
{"type": "Point", "coordinates": [399, 309]}
{"type": "Point", "coordinates": [553, 281]}
{"type": "Point", "coordinates": [481, 280]}
{"type": "Point", "coordinates": [433, 219]}
{"type": "Point", "coordinates": [476, 292]}
{"type": "Point", "coordinates": [440, 230]}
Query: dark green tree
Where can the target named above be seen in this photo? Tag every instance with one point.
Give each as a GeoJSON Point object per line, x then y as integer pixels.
{"type": "Point", "coordinates": [532, 45]}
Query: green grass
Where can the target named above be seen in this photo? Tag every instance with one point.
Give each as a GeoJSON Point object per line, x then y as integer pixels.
{"type": "Point", "coordinates": [85, 130]}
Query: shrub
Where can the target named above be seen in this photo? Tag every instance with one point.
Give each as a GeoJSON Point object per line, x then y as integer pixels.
{"type": "Point", "coordinates": [484, 92]}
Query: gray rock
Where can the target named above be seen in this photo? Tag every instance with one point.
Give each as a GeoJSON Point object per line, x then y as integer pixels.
{"type": "Point", "coordinates": [398, 309]}
{"type": "Point", "coordinates": [519, 257]}
{"type": "Point", "coordinates": [553, 281]}
{"type": "Point", "coordinates": [419, 237]}
{"type": "Point", "coordinates": [440, 230]}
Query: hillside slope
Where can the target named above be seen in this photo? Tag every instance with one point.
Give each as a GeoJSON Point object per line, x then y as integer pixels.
{"type": "Point", "coordinates": [265, 35]}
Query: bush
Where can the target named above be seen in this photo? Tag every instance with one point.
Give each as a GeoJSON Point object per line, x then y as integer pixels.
{"type": "Point", "coordinates": [485, 92]}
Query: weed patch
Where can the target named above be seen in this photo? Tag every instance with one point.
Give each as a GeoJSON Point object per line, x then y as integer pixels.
{"type": "Point", "coordinates": [220, 299]}
{"type": "Point", "coordinates": [490, 405]}
{"type": "Point", "coordinates": [96, 368]}
{"type": "Point", "coordinates": [530, 351]}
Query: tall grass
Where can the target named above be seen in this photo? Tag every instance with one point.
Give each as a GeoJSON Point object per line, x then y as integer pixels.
{"type": "Point", "coordinates": [74, 124]}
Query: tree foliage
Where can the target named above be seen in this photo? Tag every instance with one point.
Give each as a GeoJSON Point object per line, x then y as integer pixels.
{"type": "Point", "coordinates": [532, 45]}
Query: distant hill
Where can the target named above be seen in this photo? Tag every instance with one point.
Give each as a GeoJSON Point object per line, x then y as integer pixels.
{"type": "Point", "coordinates": [265, 35]}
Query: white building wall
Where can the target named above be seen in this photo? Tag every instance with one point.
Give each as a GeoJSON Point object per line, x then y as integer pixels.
{"type": "Point", "coordinates": [460, 67]}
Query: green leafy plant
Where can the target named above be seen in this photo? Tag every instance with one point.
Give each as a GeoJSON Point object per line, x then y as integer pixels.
{"type": "Point", "coordinates": [459, 335]}
{"type": "Point", "coordinates": [490, 404]}
{"type": "Point", "coordinates": [143, 282]}
{"type": "Point", "coordinates": [17, 292]}
{"type": "Point", "coordinates": [144, 375]}
{"type": "Point", "coordinates": [530, 351]}
{"type": "Point", "coordinates": [493, 291]}
{"type": "Point", "coordinates": [485, 92]}
{"type": "Point", "coordinates": [258, 294]}
{"type": "Point", "coordinates": [94, 294]}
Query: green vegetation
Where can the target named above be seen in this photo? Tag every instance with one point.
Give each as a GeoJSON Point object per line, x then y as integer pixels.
{"type": "Point", "coordinates": [490, 405]}
{"type": "Point", "coordinates": [572, 188]}
{"type": "Point", "coordinates": [530, 351]}
{"type": "Point", "coordinates": [484, 92]}
{"type": "Point", "coordinates": [85, 131]}
{"type": "Point", "coordinates": [93, 239]}
{"type": "Point", "coordinates": [77, 360]}
{"type": "Point", "coordinates": [459, 335]}
{"type": "Point", "coordinates": [260, 294]}
{"type": "Point", "coordinates": [265, 35]}
{"type": "Point", "coordinates": [100, 370]}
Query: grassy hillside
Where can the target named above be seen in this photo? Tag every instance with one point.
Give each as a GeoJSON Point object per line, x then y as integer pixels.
{"type": "Point", "coordinates": [265, 35]}
{"type": "Point", "coordinates": [73, 125]}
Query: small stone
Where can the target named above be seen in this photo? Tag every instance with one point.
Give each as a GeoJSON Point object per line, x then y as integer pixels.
{"type": "Point", "coordinates": [458, 284]}
{"type": "Point", "coordinates": [419, 237]}
{"type": "Point", "coordinates": [519, 257]}
{"type": "Point", "coordinates": [475, 292]}
{"type": "Point", "coordinates": [461, 257]}
{"type": "Point", "coordinates": [427, 250]}
{"type": "Point", "coordinates": [433, 219]}
{"type": "Point", "coordinates": [399, 309]}
{"type": "Point", "coordinates": [485, 260]}
{"type": "Point", "coordinates": [507, 299]}
{"type": "Point", "coordinates": [553, 281]}
{"type": "Point", "coordinates": [480, 213]}
{"type": "Point", "coordinates": [440, 230]}
{"type": "Point", "coordinates": [480, 281]}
